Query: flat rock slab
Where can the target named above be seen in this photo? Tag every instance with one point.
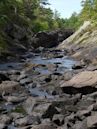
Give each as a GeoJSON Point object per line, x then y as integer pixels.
{"type": "Point", "coordinates": [44, 126]}
{"type": "Point", "coordinates": [9, 86]}
{"type": "Point", "coordinates": [83, 79]}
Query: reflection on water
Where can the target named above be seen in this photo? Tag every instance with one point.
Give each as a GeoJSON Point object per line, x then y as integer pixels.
{"type": "Point", "coordinates": [62, 62]}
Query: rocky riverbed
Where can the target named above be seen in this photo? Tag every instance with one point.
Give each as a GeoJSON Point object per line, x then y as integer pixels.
{"type": "Point", "coordinates": [48, 90]}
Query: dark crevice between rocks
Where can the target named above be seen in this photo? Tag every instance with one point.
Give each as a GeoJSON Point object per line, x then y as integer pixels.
{"type": "Point", "coordinates": [77, 67]}
{"type": "Point", "coordinates": [50, 112]}
{"type": "Point", "coordinates": [57, 122]}
{"type": "Point", "coordinates": [4, 78]}
{"type": "Point", "coordinates": [93, 127]}
{"type": "Point", "coordinates": [83, 90]}
{"type": "Point", "coordinates": [48, 79]}
{"type": "Point", "coordinates": [56, 73]}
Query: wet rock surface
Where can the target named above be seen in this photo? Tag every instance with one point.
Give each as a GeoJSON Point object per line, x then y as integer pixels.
{"type": "Point", "coordinates": [48, 90]}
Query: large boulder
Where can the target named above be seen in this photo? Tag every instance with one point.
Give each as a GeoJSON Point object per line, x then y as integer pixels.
{"type": "Point", "coordinates": [9, 87]}
{"type": "Point", "coordinates": [45, 39]}
{"type": "Point", "coordinates": [29, 105]}
{"type": "Point", "coordinates": [86, 78]}
{"type": "Point", "coordinates": [64, 34]}
{"type": "Point", "coordinates": [4, 119]}
{"type": "Point", "coordinates": [50, 39]}
{"type": "Point", "coordinates": [83, 43]}
{"type": "Point", "coordinates": [85, 81]}
{"type": "Point", "coordinates": [92, 122]}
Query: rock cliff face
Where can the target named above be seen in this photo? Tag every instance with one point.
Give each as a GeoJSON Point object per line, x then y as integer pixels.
{"type": "Point", "coordinates": [22, 38]}
{"type": "Point", "coordinates": [45, 39]}
{"type": "Point", "coordinates": [18, 38]}
{"type": "Point", "coordinates": [50, 39]}
{"type": "Point", "coordinates": [83, 43]}
{"type": "Point", "coordinates": [78, 36]}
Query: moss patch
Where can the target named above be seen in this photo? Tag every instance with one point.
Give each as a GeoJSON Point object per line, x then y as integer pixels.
{"type": "Point", "coordinates": [3, 44]}
{"type": "Point", "coordinates": [19, 109]}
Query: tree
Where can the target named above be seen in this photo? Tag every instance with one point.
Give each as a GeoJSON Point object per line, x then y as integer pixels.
{"type": "Point", "coordinates": [89, 11]}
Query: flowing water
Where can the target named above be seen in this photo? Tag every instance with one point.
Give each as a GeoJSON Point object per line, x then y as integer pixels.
{"type": "Point", "coordinates": [62, 62]}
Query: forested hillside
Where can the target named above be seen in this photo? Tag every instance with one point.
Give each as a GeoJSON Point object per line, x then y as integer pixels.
{"type": "Point", "coordinates": [29, 14]}
{"type": "Point", "coordinates": [33, 15]}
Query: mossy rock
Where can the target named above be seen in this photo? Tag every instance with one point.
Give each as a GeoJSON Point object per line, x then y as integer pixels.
{"type": "Point", "coordinates": [19, 109]}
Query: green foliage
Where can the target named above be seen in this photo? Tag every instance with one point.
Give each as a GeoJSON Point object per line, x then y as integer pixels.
{"type": "Point", "coordinates": [3, 44]}
{"type": "Point", "coordinates": [32, 13]}
{"type": "Point", "coordinates": [3, 21]}
{"type": "Point", "coordinates": [19, 109]}
{"type": "Point", "coordinates": [35, 15]}
{"type": "Point", "coordinates": [89, 11]}
{"type": "Point", "coordinates": [40, 26]}
{"type": "Point", "coordinates": [73, 22]}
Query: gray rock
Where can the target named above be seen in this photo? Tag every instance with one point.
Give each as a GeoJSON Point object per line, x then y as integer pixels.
{"type": "Point", "coordinates": [45, 39]}
{"type": "Point", "coordinates": [9, 86]}
{"type": "Point", "coordinates": [95, 107]}
{"type": "Point", "coordinates": [92, 68]}
{"type": "Point", "coordinates": [84, 104]}
{"type": "Point", "coordinates": [68, 75]}
{"type": "Point", "coordinates": [4, 119]}
{"type": "Point", "coordinates": [80, 125]}
{"type": "Point", "coordinates": [83, 113]}
{"type": "Point", "coordinates": [76, 35]}
{"type": "Point", "coordinates": [44, 126]}
{"type": "Point", "coordinates": [14, 99]}
{"type": "Point", "coordinates": [64, 34]}
{"type": "Point", "coordinates": [93, 95]}
{"type": "Point", "coordinates": [92, 122]}
{"type": "Point", "coordinates": [45, 110]}
{"type": "Point", "coordinates": [15, 115]}
{"type": "Point", "coordinates": [25, 81]}
{"type": "Point", "coordinates": [51, 67]}
{"type": "Point", "coordinates": [83, 82]}
{"type": "Point", "coordinates": [58, 119]}
{"type": "Point", "coordinates": [28, 120]}
{"type": "Point", "coordinates": [22, 76]}
{"type": "Point", "coordinates": [63, 127]}
{"type": "Point", "coordinates": [80, 80]}
{"type": "Point", "coordinates": [29, 104]}
{"type": "Point", "coordinates": [2, 126]}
